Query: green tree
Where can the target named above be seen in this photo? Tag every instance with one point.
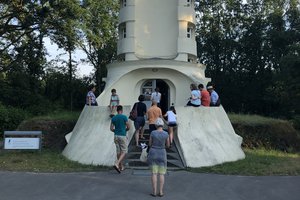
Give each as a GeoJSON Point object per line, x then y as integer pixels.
{"type": "Point", "coordinates": [99, 34]}
{"type": "Point", "coordinates": [244, 46]}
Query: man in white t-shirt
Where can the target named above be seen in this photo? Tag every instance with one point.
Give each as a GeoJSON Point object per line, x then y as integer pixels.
{"type": "Point", "coordinates": [156, 96]}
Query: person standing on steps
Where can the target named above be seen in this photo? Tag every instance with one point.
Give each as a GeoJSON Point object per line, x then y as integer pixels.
{"type": "Point", "coordinates": [153, 113]}
{"type": "Point", "coordinates": [157, 157]}
{"type": "Point", "coordinates": [172, 122]}
{"type": "Point", "coordinates": [156, 96]}
{"type": "Point", "coordinates": [120, 125]}
{"type": "Point", "coordinates": [139, 122]}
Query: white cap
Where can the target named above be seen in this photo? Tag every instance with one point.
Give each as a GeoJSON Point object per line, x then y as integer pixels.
{"type": "Point", "coordinates": [159, 122]}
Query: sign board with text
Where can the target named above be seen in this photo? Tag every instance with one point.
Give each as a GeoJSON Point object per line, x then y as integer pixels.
{"type": "Point", "coordinates": [22, 139]}
{"type": "Point", "coordinates": [21, 143]}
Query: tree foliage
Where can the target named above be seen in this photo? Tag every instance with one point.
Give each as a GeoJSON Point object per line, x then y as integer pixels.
{"type": "Point", "coordinates": [99, 34]}
{"type": "Point", "coordinates": [249, 49]}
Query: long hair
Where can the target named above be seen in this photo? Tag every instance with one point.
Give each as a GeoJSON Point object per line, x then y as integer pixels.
{"type": "Point", "coordinates": [172, 108]}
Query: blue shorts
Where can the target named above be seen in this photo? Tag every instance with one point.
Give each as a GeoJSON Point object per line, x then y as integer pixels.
{"type": "Point", "coordinates": [139, 122]}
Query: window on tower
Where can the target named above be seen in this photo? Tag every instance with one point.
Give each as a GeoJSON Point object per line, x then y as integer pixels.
{"type": "Point", "coordinates": [123, 3]}
{"type": "Point", "coordinates": [124, 32]}
{"type": "Point", "coordinates": [188, 3]}
{"type": "Point", "coordinates": [189, 32]}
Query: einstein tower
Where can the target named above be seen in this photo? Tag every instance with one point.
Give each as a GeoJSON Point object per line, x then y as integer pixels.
{"type": "Point", "coordinates": [156, 48]}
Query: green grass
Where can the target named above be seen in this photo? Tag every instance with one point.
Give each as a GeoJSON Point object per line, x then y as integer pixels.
{"type": "Point", "coordinates": [259, 162]}
{"type": "Point", "coordinates": [44, 161]}
{"type": "Point", "coordinates": [252, 119]}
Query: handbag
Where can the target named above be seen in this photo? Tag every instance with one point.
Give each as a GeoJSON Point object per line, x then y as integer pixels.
{"type": "Point", "coordinates": [144, 155]}
{"type": "Point", "coordinates": [133, 113]}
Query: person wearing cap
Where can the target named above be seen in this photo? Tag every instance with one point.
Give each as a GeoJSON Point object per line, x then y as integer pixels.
{"type": "Point", "coordinates": [157, 157]}
{"type": "Point", "coordinates": [205, 96]}
{"type": "Point", "coordinates": [214, 97]}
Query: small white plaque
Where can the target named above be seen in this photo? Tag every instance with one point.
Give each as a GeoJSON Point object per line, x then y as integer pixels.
{"type": "Point", "coordinates": [22, 143]}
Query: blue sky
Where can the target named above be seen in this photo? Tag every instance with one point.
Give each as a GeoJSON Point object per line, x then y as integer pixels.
{"type": "Point", "coordinates": [53, 51]}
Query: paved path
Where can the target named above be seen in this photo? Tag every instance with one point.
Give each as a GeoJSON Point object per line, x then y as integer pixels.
{"type": "Point", "coordinates": [135, 184]}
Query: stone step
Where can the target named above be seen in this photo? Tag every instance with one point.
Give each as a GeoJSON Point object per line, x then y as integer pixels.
{"type": "Point", "coordinates": [174, 161]}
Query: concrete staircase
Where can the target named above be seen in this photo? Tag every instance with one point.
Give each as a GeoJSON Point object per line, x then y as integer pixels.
{"type": "Point", "coordinates": [174, 160]}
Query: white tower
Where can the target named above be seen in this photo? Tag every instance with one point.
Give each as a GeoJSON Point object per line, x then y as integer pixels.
{"type": "Point", "coordinates": [156, 48]}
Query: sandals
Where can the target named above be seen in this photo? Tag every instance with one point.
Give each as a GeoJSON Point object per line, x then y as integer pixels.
{"type": "Point", "coordinates": [160, 194]}
{"type": "Point", "coordinates": [122, 168]}
{"type": "Point", "coordinates": [117, 169]}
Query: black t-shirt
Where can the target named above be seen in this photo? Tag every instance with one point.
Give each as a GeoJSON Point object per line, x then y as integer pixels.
{"type": "Point", "coordinates": [141, 109]}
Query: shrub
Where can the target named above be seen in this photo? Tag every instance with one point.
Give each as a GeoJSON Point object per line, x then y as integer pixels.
{"type": "Point", "coordinates": [296, 122]}
{"type": "Point", "coordinates": [267, 133]}
{"type": "Point", "coordinates": [11, 117]}
{"type": "Point", "coordinates": [54, 131]}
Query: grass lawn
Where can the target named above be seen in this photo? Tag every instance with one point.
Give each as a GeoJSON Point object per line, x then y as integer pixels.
{"type": "Point", "coordinates": [257, 162]}
{"type": "Point", "coordinates": [44, 161]}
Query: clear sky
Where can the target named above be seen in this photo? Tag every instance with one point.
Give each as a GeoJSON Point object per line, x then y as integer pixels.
{"type": "Point", "coordinates": [53, 51]}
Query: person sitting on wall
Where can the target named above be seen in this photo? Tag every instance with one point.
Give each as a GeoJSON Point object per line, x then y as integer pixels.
{"type": "Point", "coordinates": [214, 97]}
{"type": "Point", "coordinates": [195, 99]}
{"type": "Point", "coordinates": [205, 96]}
{"type": "Point", "coordinates": [114, 102]}
{"type": "Point", "coordinates": [90, 97]}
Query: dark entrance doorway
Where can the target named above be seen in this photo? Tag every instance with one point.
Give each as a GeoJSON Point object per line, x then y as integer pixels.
{"type": "Point", "coordinates": [149, 86]}
{"type": "Point", "coordinates": [164, 90]}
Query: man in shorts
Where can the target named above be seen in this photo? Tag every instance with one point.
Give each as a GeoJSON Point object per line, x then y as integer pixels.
{"type": "Point", "coordinates": [153, 113]}
{"type": "Point", "coordinates": [120, 125]}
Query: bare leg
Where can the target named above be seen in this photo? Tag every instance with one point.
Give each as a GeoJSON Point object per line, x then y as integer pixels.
{"type": "Point", "coordinates": [120, 157]}
{"type": "Point", "coordinates": [137, 137]}
{"type": "Point", "coordinates": [171, 134]}
{"type": "Point", "coordinates": [142, 132]}
{"type": "Point", "coordinates": [161, 184]}
{"type": "Point", "coordinates": [113, 110]}
{"type": "Point", "coordinates": [154, 183]}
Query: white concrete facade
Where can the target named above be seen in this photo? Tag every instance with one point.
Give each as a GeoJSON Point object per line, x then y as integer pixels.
{"type": "Point", "coordinates": [157, 42]}
{"type": "Point", "coordinates": [157, 29]}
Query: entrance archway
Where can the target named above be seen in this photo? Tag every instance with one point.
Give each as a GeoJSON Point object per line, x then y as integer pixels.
{"type": "Point", "coordinates": [149, 86]}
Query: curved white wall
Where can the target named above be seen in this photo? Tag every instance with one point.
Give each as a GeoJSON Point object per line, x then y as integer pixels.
{"type": "Point", "coordinates": [178, 75]}
{"type": "Point", "coordinates": [156, 29]}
